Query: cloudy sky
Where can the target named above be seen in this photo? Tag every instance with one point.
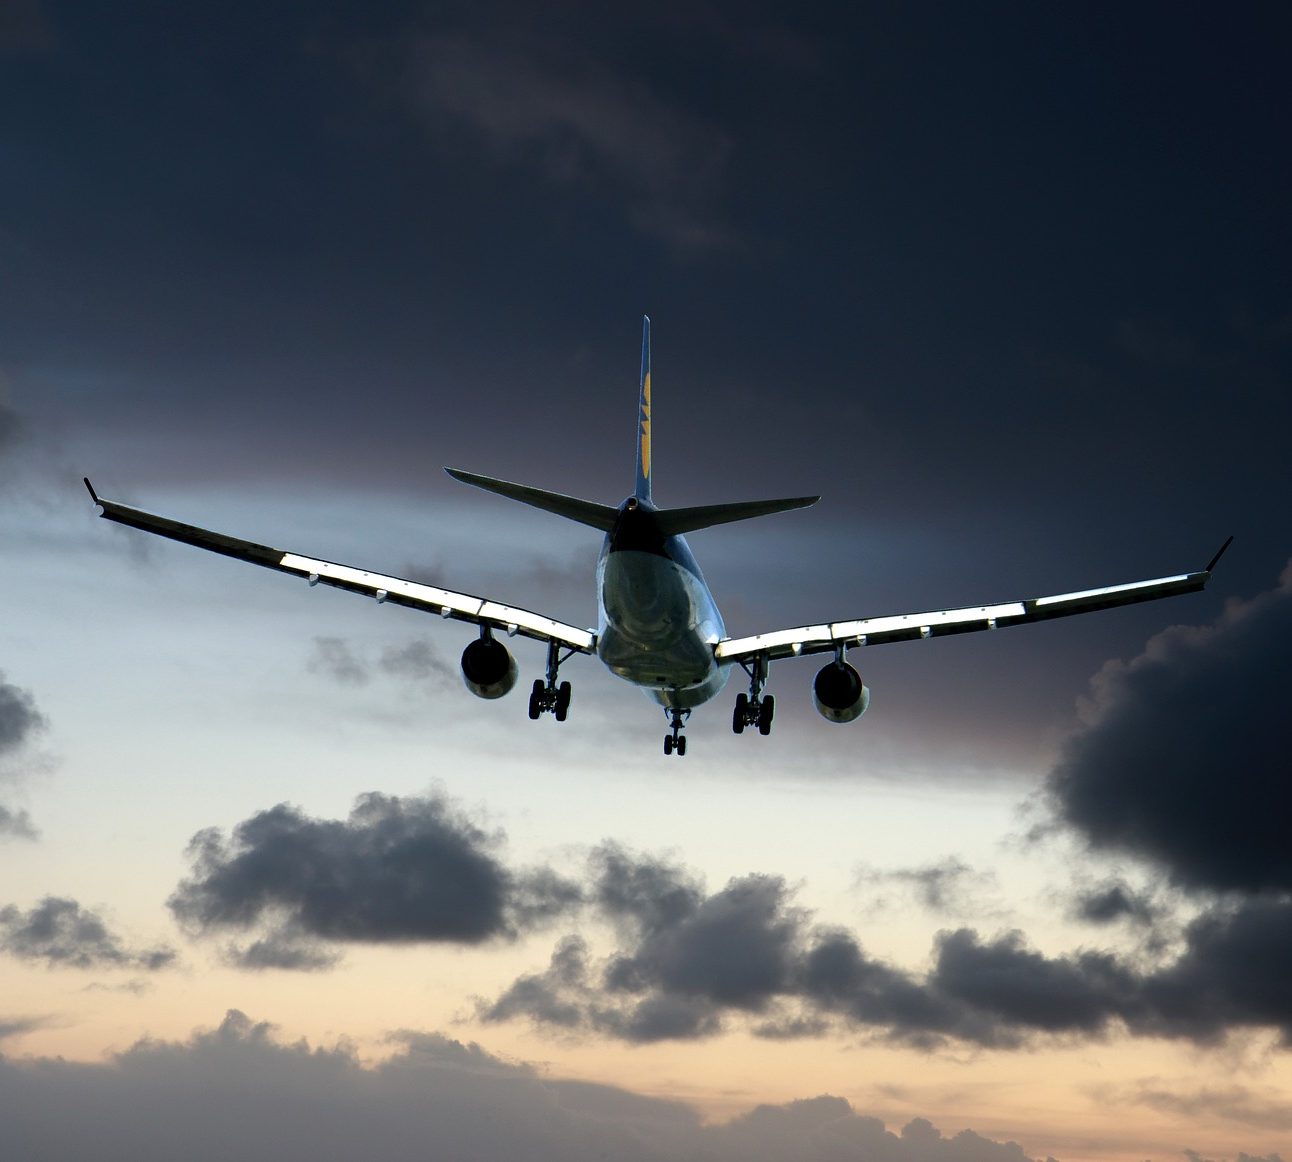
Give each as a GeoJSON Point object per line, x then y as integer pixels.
{"type": "Point", "coordinates": [1007, 285]}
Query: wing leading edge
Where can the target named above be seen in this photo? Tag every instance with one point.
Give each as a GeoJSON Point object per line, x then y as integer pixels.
{"type": "Point", "coordinates": [395, 590]}
{"type": "Point", "coordinates": [873, 631]}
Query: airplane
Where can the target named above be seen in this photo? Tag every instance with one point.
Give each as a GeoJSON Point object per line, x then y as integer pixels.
{"type": "Point", "coordinates": [658, 625]}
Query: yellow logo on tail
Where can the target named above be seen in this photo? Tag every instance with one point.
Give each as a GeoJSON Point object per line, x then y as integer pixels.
{"type": "Point", "coordinates": [646, 427]}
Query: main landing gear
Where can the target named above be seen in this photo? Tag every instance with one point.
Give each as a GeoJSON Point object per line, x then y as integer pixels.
{"type": "Point", "coordinates": [548, 695]}
{"type": "Point", "coordinates": [675, 743]}
{"type": "Point", "coordinates": [754, 708]}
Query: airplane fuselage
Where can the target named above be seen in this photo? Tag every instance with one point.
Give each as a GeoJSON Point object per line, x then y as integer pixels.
{"type": "Point", "coordinates": [658, 623]}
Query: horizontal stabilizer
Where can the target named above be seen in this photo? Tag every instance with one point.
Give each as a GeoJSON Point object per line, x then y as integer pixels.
{"type": "Point", "coordinates": [586, 512]}
{"type": "Point", "coordinates": [676, 521]}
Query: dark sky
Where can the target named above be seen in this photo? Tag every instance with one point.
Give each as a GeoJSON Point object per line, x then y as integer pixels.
{"type": "Point", "coordinates": [1000, 267]}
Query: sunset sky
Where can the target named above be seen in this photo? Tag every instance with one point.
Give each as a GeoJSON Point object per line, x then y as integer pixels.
{"type": "Point", "coordinates": [1007, 284]}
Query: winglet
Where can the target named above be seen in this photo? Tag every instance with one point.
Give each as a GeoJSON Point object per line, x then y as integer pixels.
{"type": "Point", "coordinates": [1220, 552]}
{"type": "Point", "coordinates": [643, 490]}
{"type": "Point", "coordinates": [94, 496]}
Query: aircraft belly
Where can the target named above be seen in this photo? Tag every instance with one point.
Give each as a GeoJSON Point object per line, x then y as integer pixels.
{"type": "Point", "coordinates": [658, 628]}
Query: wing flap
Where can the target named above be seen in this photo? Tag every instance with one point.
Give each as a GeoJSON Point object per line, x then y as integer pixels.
{"type": "Point", "coordinates": [446, 603]}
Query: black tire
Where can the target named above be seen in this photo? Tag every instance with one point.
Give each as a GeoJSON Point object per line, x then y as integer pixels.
{"type": "Point", "coordinates": [668, 744]}
{"type": "Point", "coordinates": [535, 699]}
{"type": "Point", "coordinates": [738, 715]}
{"type": "Point", "coordinates": [562, 701]}
{"type": "Point", "coordinates": [681, 745]}
{"type": "Point", "coordinates": [766, 711]}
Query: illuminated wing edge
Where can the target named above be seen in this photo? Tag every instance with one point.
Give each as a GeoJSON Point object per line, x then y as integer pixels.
{"type": "Point", "coordinates": [873, 631]}
{"type": "Point", "coordinates": [445, 603]}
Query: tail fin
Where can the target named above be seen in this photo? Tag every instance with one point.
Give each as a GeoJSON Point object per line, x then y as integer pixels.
{"type": "Point", "coordinates": [642, 491]}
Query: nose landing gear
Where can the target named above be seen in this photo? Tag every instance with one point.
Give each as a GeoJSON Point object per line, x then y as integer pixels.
{"type": "Point", "coordinates": [754, 708]}
{"type": "Point", "coordinates": [548, 695]}
{"type": "Point", "coordinates": [675, 742]}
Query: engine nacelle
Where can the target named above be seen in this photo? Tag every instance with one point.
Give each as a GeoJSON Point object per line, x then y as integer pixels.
{"type": "Point", "coordinates": [839, 693]}
{"type": "Point", "coordinates": [488, 669]}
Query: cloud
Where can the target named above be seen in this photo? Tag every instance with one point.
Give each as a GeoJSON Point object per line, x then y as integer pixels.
{"type": "Point", "coordinates": [536, 102]}
{"type": "Point", "coordinates": [16, 824]}
{"type": "Point", "coordinates": [417, 661]}
{"type": "Point", "coordinates": [687, 963]}
{"type": "Point", "coordinates": [18, 1026]}
{"type": "Point", "coordinates": [238, 1091]}
{"type": "Point", "coordinates": [20, 722]}
{"type": "Point", "coordinates": [398, 870]}
{"type": "Point", "coordinates": [689, 958]}
{"type": "Point", "coordinates": [65, 935]}
{"type": "Point", "coordinates": [19, 718]}
{"type": "Point", "coordinates": [1113, 900]}
{"type": "Point", "coordinates": [420, 661]}
{"type": "Point", "coordinates": [333, 657]}
{"type": "Point", "coordinates": [283, 948]}
{"type": "Point", "coordinates": [1269, 1110]}
{"type": "Point", "coordinates": [1185, 763]}
{"type": "Point", "coordinates": [947, 886]}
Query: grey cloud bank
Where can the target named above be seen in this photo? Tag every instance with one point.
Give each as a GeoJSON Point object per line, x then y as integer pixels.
{"type": "Point", "coordinates": [238, 1092]}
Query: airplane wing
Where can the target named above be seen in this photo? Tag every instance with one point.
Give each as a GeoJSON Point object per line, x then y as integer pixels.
{"type": "Point", "coordinates": [395, 590]}
{"type": "Point", "coordinates": [873, 631]}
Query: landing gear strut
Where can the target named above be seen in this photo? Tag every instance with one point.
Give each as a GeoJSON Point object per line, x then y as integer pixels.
{"type": "Point", "coordinates": [676, 741]}
{"type": "Point", "coordinates": [548, 695]}
{"type": "Point", "coordinates": [754, 708]}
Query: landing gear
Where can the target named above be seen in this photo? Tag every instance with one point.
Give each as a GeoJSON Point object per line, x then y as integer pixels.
{"type": "Point", "coordinates": [754, 709]}
{"type": "Point", "coordinates": [675, 742]}
{"type": "Point", "coordinates": [548, 695]}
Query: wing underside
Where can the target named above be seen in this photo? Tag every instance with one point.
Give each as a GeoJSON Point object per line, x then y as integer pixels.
{"type": "Point", "coordinates": [872, 631]}
{"type": "Point", "coordinates": [445, 603]}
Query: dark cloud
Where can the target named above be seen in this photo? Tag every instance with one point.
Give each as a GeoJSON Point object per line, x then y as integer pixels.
{"type": "Point", "coordinates": [282, 948]}
{"type": "Point", "coordinates": [420, 661]}
{"type": "Point", "coordinates": [949, 885]}
{"type": "Point", "coordinates": [63, 934]}
{"type": "Point", "coordinates": [18, 1026]}
{"type": "Point", "coordinates": [1188, 760]}
{"type": "Point", "coordinates": [1114, 900]}
{"type": "Point", "coordinates": [1243, 1105]}
{"type": "Point", "coordinates": [689, 958]}
{"type": "Point", "coordinates": [398, 870]}
{"type": "Point", "coordinates": [690, 962]}
{"type": "Point", "coordinates": [538, 103]}
{"type": "Point", "coordinates": [417, 661]}
{"type": "Point", "coordinates": [238, 1091]}
{"type": "Point", "coordinates": [333, 657]}
{"type": "Point", "coordinates": [19, 718]}
{"type": "Point", "coordinates": [16, 824]}
{"type": "Point", "coordinates": [1025, 990]}
{"type": "Point", "coordinates": [1232, 973]}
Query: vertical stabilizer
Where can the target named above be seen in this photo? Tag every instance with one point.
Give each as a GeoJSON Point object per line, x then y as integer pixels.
{"type": "Point", "coordinates": [642, 491]}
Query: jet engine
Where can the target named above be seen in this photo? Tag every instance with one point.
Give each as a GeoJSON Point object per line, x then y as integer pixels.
{"type": "Point", "coordinates": [488, 669]}
{"type": "Point", "coordinates": [839, 693]}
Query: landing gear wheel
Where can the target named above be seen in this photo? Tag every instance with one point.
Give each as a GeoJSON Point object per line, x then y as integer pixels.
{"type": "Point", "coordinates": [562, 707]}
{"type": "Point", "coordinates": [536, 698]}
{"type": "Point", "coordinates": [681, 744]}
{"type": "Point", "coordinates": [766, 711]}
{"type": "Point", "coordinates": [668, 744]}
{"type": "Point", "coordinates": [740, 714]}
